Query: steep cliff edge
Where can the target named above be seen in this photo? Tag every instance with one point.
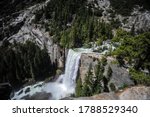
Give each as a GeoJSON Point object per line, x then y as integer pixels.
{"type": "Point", "coordinates": [120, 76]}
{"type": "Point", "coordinates": [20, 24]}
{"type": "Point", "coordinates": [55, 26]}
{"type": "Point", "coordinates": [127, 14]}
{"type": "Point", "coordinates": [22, 28]}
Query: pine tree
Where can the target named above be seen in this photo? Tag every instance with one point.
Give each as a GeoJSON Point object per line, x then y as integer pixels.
{"type": "Point", "coordinates": [79, 88]}
{"type": "Point", "coordinates": [87, 85]}
{"type": "Point", "coordinates": [99, 78]}
{"type": "Point", "coordinates": [109, 72]}
{"type": "Point", "coordinates": [104, 61]}
{"type": "Point", "coordinates": [86, 90]}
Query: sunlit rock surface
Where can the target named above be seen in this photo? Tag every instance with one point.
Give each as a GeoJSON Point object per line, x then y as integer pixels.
{"type": "Point", "coordinates": [120, 75]}
{"type": "Point", "coordinates": [63, 87]}
{"type": "Point", "coordinates": [133, 93]}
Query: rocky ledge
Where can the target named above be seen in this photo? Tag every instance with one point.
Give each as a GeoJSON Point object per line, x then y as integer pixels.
{"type": "Point", "coordinates": [133, 93]}
{"type": "Point", "coordinates": [120, 75]}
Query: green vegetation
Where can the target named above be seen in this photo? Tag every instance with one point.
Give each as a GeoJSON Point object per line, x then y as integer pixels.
{"type": "Point", "coordinates": [134, 50]}
{"type": "Point", "coordinates": [140, 77]}
{"type": "Point", "coordinates": [84, 31]}
{"type": "Point", "coordinates": [94, 83]}
{"type": "Point", "coordinates": [123, 86]}
{"type": "Point", "coordinates": [79, 88]}
{"type": "Point", "coordinates": [73, 23]}
{"type": "Point", "coordinates": [115, 23]}
{"type": "Point", "coordinates": [112, 87]}
{"type": "Point", "coordinates": [87, 89]}
{"type": "Point", "coordinates": [109, 72]}
{"type": "Point", "coordinates": [22, 62]}
{"type": "Point", "coordinates": [104, 61]}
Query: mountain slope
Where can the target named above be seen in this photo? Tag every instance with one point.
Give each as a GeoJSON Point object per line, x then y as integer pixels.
{"type": "Point", "coordinates": [117, 28]}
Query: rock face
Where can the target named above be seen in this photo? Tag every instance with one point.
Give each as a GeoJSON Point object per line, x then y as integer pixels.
{"type": "Point", "coordinates": [38, 96]}
{"type": "Point", "coordinates": [133, 93]}
{"type": "Point", "coordinates": [120, 76]}
{"type": "Point", "coordinates": [86, 61]}
{"type": "Point", "coordinates": [11, 19]}
{"type": "Point", "coordinates": [22, 28]}
{"type": "Point", "coordinates": [19, 25]}
{"type": "Point", "coordinates": [139, 19]}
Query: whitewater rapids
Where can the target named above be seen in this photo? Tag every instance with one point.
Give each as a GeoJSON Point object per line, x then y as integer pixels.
{"type": "Point", "coordinates": [64, 86]}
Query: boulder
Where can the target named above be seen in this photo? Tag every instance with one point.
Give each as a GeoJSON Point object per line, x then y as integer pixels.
{"type": "Point", "coordinates": [38, 96]}
{"type": "Point", "coordinates": [135, 93]}
{"type": "Point", "coordinates": [120, 75]}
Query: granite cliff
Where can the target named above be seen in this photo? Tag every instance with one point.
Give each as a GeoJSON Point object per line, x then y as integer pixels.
{"type": "Point", "coordinates": [57, 26]}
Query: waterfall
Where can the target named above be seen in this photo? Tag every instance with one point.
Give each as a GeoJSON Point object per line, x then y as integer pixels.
{"type": "Point", "coordinates": [71, 69]}
{"type": "Point", "coordinates": [65, 85]}
{"type": "Point", "coordinates": [66, 82]}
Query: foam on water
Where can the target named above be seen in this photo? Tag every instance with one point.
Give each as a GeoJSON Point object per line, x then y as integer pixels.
{"type": "Point", "coordinates": [65, 85]}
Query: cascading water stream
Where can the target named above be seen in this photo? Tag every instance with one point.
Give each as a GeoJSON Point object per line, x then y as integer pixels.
{"type": "Point", "coordinates": [66, 82]}
{"type": "Point", "coordinates": [64, 86]}
{"type": "Point", "coordinates": [71, 69]}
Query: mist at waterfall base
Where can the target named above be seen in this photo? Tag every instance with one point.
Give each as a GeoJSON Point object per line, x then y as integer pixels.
{"type": "Point", "coordinates": [64, 86]}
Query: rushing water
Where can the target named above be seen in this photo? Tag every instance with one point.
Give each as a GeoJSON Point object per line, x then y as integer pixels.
{"type": "Point", "coordinates": [65, 85]}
